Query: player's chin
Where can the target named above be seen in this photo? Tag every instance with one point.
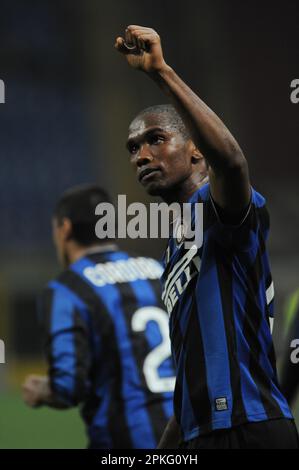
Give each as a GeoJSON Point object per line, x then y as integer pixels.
{"type": "Point", "coordinates": [153, 188]}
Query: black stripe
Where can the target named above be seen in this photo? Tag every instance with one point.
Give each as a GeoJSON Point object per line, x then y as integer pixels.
{"type": "Point", "coordinates": [82, 355]}
{"type": "Point", "coordinates": [224, 263]}
{"type": "Point", "coordinates": [104, 327]}
{"type": "Point", "coordinates": [195, 368]}
{"type": "Point", "coordinates": [175, 334]}
{"type": "Point", "coordinates": [157, 288]}
{"type": "Point", "coordinates": [45, 308]}
{"type": "Point", "coordinates": [176, 346]}
{"type": "Point", "coordinates": [272, 360]}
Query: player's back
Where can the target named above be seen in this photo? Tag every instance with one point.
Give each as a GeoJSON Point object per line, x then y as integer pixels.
{"type": "Point", "coordinates": [121, 371]}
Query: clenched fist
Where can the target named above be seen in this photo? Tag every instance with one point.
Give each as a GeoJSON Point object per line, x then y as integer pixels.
{"type": "Point", "coordinates": [36, 390]}
{"type": "Point", "coordinates": [142, 48]}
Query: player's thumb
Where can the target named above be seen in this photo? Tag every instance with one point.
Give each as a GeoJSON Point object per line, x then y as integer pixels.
{"type": "Point", "coordinates": [121, 46]}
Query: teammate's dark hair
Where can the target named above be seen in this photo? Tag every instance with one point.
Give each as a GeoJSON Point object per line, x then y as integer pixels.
{"type": "Point", "coordinates": [78, 204]}
{"type": "Point", "coordinates": [172, 116]}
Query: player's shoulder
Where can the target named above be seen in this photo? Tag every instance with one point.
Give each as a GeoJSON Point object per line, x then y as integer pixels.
{"type": "Point", "coordinates": [257, 199]}
{"type": "Point", "coordinates": [202, 194]}
{"type": "Point", "coordinates": [63, 296]}
{"type": "Point", "coordinates": [260, 212]}
{"type": "Point", "coordinates": [147, 267]}
{"type": "Point", "coordinates": [60, 285]}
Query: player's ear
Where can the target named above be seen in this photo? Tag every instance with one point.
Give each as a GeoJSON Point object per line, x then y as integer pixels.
{"type": "Point", "coordinates": [196, 155]}
{"type": "Point", "coordinates": [199, 160]}
{"type": "Point", "coordinates": [67, 228]}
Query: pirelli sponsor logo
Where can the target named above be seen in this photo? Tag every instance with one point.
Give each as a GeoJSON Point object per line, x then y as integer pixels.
{"type": "Point", "coordinates": [179, 277]}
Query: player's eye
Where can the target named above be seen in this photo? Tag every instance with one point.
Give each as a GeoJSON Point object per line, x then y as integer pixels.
{"type": "Point", "coordinates": [133, 148]}
{"type": "Point", "coordinates": [156, 139]}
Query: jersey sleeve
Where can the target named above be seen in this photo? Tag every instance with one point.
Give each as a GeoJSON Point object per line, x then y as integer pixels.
{"type": "Point", "coordinates": [66, 344]}
{"type": "Point", "coordinates": [252, 230]}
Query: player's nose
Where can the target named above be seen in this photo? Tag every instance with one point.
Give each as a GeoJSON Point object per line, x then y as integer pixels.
{"type": "Point", "coordinates": [144, 155]}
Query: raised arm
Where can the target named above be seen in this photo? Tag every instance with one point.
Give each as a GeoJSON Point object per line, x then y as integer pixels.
{"type": "Point", "coordinates": [228, 171]}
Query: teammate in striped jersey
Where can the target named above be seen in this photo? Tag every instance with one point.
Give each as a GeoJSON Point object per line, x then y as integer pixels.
{"type": "Point", "coordinates": [219, 295]}
{"type": "Point", "coordinates": [106, 334]}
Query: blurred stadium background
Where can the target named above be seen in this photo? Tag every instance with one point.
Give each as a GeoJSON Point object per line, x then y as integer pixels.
{"type": "Point", "coordinates": [69, 99]}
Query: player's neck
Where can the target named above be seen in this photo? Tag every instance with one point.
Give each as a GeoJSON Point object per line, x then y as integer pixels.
{"type": "Point", "coordinates": [76, 252]}
{"type": "Point", "coordinates": [184, 191]}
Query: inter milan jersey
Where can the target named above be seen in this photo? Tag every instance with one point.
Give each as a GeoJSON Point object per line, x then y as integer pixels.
{"type": "Point", "coordinates": [107, 343]}
{"type": "Point", "coordinates": [219, 296]}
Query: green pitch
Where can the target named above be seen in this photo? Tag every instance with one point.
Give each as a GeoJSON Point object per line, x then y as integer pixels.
{"type": "Point", "coordinates": [42, 428]}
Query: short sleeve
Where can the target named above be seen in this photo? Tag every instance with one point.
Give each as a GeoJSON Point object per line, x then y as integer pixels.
{"type": "Point", "coordinates": [250, 232]}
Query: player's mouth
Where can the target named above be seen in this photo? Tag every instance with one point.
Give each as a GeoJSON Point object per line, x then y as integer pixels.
{"type": "Point", "coordinates": [147, 174]}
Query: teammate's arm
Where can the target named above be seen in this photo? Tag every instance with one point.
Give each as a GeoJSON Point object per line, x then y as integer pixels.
{"type": "Point", "coordinates": [229, 179]}
{"type": "Point", "coordinates": [36, 391]}
{"type": "Point", "coordinates": [68, 355]}
{"type": "Point", "coordinates": [171, 436]}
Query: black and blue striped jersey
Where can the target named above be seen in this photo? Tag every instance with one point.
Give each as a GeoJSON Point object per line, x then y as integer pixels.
{"type": "Point", "coordinates": [220, 299]}
{"type": "Point", "coordinates": [107, 343]}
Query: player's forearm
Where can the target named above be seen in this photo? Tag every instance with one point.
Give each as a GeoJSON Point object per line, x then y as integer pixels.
{"type": "Point", "coordinates": [63, 393]}
{"type": "Point", "coordinates": [171, 436]}
{"type": "Point", "coordinates": [207, 131]}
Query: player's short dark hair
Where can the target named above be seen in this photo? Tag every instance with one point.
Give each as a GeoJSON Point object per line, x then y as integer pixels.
{"type": "Point", "coordinates": [172, 116]}
{"type": "Point", "coordinates": [78, 205]}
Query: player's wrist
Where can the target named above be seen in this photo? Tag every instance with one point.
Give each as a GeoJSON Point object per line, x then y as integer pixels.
{"type": "Point", "coordinates": [161, 72]}
{"type": "Point", "coordinates": [45, 392]}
